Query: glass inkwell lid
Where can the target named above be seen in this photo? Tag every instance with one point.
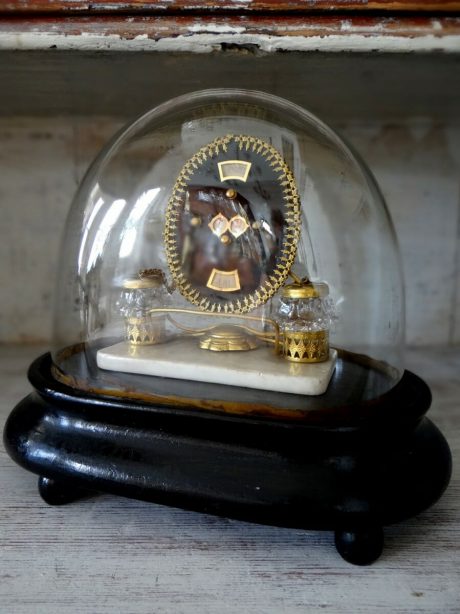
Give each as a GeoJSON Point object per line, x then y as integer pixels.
{"type": "Point", "coordinates": [229, 330]}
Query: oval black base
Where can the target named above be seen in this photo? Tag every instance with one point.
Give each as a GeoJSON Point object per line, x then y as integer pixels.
{"type": "Point", "coordinates": [352, 480]}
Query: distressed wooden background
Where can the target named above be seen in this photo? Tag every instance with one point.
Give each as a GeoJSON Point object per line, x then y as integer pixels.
{"type": "Point", "coordinates": [276, 6]}
{"type": "Point", "coordinates": [387, 75]}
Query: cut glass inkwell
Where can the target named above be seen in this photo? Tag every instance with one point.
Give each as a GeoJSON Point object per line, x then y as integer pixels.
{"type": "Point", "coordinates": [229, 331]}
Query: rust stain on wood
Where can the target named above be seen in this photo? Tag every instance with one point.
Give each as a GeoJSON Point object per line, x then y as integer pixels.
{"type": "Point", "coordinates": [163, 6]}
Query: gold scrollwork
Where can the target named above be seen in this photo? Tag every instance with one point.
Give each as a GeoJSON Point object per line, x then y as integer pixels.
{"type": "Point", "coordinates": [287, 249]}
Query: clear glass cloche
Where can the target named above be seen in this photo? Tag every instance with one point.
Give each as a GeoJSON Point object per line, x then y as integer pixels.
{"type": "Point", "coordinates": [227, 251]}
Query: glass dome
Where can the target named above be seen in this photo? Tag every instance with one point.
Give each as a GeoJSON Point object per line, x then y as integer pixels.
{"type": "Point", "coordinates": [227, 251]}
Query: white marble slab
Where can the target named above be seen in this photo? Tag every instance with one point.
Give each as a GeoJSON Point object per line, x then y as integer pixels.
{"type": "Point", "coordinates": [183, 359]}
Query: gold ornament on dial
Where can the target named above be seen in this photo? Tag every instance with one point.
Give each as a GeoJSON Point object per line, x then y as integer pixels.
{"type": "Point", "coordinates": [220, 254]}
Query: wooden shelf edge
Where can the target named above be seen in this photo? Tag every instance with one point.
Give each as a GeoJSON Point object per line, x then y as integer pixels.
{"type": "Point", "coordinates": [133, 7]}
{"type": "Point", "coordinates": [193, 34]}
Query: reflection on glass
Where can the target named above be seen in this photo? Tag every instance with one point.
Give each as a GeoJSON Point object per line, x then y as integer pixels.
{"type": "Point", "coordinates": [233, 223]}
{"type": "Point", "coordinates": [234, 199]}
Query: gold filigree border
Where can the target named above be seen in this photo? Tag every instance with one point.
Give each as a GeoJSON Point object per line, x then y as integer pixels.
{"type": "Point", "coordinates": [287, 252]}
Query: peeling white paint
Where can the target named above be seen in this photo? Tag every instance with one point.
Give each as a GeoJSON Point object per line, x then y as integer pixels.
{"type": "Point", "coordinates": [216, 29]}
{"type": "Point", "coordinates": [346, 26]}
{"type": "Point", "coordinates": [206, 38]}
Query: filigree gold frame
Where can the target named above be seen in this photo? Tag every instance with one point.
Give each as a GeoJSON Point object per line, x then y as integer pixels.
{"type": "Point", "coordinates": [287, 249]}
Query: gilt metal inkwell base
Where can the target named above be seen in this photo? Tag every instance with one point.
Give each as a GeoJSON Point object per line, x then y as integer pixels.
{"type": "Point", "coordinates": [350, 469]}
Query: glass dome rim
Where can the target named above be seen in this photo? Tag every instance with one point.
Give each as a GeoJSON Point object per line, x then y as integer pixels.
{"type": "Point", "coordinates": [129, 128]}
{"type": "Point", "coordinates": [225, 93]}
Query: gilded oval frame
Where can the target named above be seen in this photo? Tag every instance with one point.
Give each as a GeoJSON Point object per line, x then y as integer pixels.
{"type": "Point", "coordinates": [286, 253]}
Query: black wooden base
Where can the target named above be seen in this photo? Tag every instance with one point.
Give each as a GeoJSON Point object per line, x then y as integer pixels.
{"type": "Point", "coordinates": [350, 479]}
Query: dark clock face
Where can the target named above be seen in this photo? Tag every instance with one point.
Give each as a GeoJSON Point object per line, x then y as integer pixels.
{"type": "Point", "coordinates": [232, 225]}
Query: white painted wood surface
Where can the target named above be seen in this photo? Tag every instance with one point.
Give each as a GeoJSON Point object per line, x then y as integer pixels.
{"type": "Point", "coordinates": [109, 554]}
{"type": "Point", "coordinates": [209, 33]}
{"type": "Point", "coordinates": [207, 37]}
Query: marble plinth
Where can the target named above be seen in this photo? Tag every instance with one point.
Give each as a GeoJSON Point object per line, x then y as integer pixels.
{"type": "Point", "coordinates": [183, 359]}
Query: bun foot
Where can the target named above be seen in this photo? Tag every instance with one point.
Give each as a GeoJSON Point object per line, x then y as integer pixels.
{"type": "Point", "coordinates": [360, 547]}
{"type": "Point", "coordinates": [56, 492]}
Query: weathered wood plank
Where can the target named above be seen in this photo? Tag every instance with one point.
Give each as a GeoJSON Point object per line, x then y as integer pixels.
{"type": "Point", "coordinates": [336, 86]}
{"type": "Point", "coordinates": [263, 34]}
{"type": "Point", "coordinates": [146, 6]}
